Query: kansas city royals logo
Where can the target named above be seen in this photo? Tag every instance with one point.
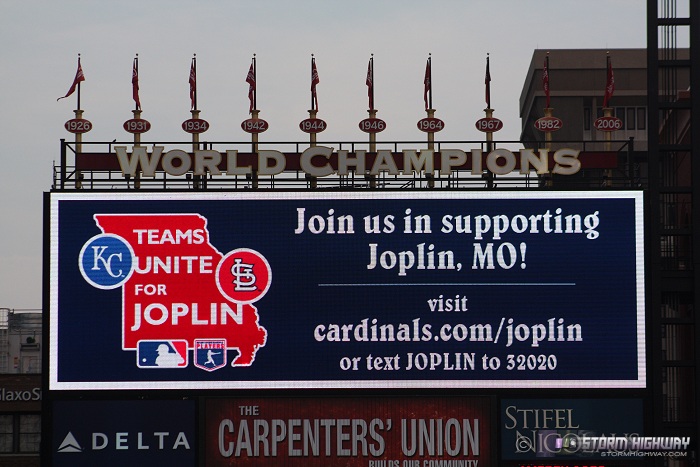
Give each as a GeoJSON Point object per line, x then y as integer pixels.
{"type": "Point", "coordinates": [210, 354]}
{"type": "Point", "coordinates": [106, 261]}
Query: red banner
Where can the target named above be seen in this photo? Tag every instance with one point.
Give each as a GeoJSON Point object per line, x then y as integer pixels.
{"type": "Point", "coordinates": [79, 76]}
{"type": "Point", "coordinates": [135, 84]}
{"type": "Point", "coordinates": [609, 85]}
{"type": "Point", "coordinates": [369, 432]}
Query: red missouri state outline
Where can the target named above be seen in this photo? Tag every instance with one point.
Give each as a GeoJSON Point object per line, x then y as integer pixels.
{"type": "Point", "coordinates": [172, 293]}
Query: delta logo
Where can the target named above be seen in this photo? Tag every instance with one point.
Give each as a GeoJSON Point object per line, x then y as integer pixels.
{"type": "Point", "coordinates": [124, 441]}
{"type": "Point", "coordinates": [179, 293]}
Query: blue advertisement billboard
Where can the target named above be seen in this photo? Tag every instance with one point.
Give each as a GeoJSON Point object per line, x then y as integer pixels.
{"type": "Point", "coordinates": [346, 289]}
{"type": "Point", "coordinates": [550, 430]}
{"type": "Point", "coordinates": [119, 433]}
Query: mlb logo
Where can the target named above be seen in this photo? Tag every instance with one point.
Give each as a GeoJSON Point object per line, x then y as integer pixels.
{"type": "Point", "coordinates": [210, 354]}
{"type": "Point", "coordinates": [162, 354]}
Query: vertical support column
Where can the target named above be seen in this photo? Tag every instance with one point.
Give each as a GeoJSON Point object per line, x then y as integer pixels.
{"type": "Point", "coordinates": [196, 179]}
{"type": "Point", "coordinates": [549, 182]}
{"type": "Point", "coordinates": [64, 161]}
{"type": "Point", "coordinates": [78, 150]}
{"type": "Point", "coordinates": [430, 177]}
{"type": "Point", "coordinates": [694, 12]}
{"type": "Point", "coordinates": [313, 181]}
{"type": "Point", "coordinates": [607, 179]}
{"type": "Point", "coordinates": [137, 143]}
{"type": "Point", "coordinates": [652, 232]}
{"type": "Point", "coordinates": [372, 148]}
{"type": "Point", "coordinates": [254, 139]}
{"type": "Point", "coordinates": [489, 176]}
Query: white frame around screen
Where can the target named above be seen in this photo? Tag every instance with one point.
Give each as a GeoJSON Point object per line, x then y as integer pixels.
{"type": "Point", "coordinates": [55, 385]}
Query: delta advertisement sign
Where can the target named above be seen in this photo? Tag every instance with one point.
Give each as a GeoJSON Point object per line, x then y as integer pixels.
{"type": "Point", "coordinates": [374, 432]}
{"type": "Point", "coordinates": [119, 433]}
{"type": "Point", "coordinates": [335, 290]}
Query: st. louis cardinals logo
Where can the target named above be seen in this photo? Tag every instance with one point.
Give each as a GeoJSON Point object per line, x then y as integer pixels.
{"type": "Point", "coordinates": [243, 276]}
{"type": "Point", "coordinates": [244, 279]}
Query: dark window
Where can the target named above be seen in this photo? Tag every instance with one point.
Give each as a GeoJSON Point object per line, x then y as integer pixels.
{"type": "Point", "coordinates": [29, 432]}
{"type": "Point", "coordinates": [587, 118]}
{"type": "Point", "coordinates": [642, 118]}
{"type": "Point", "coordinates": [631, 111]}
{"type": "Point", "coordinates": [20, 433]}
{"type": "Point", "coordinates": [620, 113]}
{"type": "Point", "coordinates": [6, 433]}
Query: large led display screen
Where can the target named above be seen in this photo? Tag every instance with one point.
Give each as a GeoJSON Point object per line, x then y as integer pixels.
{"type": "Point", "coordinates": [330, 289]}
{"type": "Point", "coordinates": [374, 432]}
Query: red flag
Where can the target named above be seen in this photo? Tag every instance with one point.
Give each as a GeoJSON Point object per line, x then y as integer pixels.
{"type": "Point", "coordinates": [487, 81]}
{"type": "Point", "coordinates": [135, 84]}
{"type": "Point", "coordinates": [427, 86]}
{"type": "Point", "coordinates": [610, 85]}
{"type": "Point", "coordinates": [79, 76]}
{"type": "Point", "coordinates": [545, 80]}
{"type": "Point", "coordinates": [250, 79]}
{"type": "Point", "coordinates": [370, 83]}
{"type": "Point", "coordinates": [193, 83]}
{"type": "Point", "coordinates": [314, 81]}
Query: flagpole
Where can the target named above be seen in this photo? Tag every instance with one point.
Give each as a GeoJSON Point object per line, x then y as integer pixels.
{"type": "Point", "coordinates": [78, 136]}
{"type": "Point", "coordinates": [313, 111]}
{"type": "Point", "coordinates": [313, 181]}
{"type": "Point", "coordinates": [137, 115]}
{"type": "Point", "coordinates": [255, 89]}
{"type": "Point", "coordinates": [372, 114]}
{"type": "Point", "coordinates": [489, 114]}
{"type": "Point", "coordinates": [76, 126]}
{"type": "Point", "coordinates": [312, 82]}
{"type": "Point", "coordinates": [194, 67]}
{"type": "Point", "coordinates": [254, 115]}
{"type": "Point", "coordinates": [607, 112]}
{"type": "Point", "coordinates": [198, 180]}
{"type": "Point", "coordinates": [371, 97]}
{"type": "Point", "coordinates": [430, 112]}
{"type": "Point", "coordinates": [430, 77]}
{"type": "Point", "coordinates": [78, 111]}
{"type": "Point", "coordinates": [253, 124]}
{"type": "Point", "coordinates": [78, 107]}
{"type": "Point", "coordinates": [137, 109]}
{"type": "Point", "coordinates": [548, 112]}
{"type": "Point", "coordinates": [136, 69]}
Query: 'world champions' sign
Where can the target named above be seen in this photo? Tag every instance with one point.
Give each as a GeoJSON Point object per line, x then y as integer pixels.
{"type": "Point", "coordinates": [321, 161]}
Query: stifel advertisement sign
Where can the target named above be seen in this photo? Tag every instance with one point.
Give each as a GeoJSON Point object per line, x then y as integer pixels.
{"type": "Point", "coordinates": [336, 290]}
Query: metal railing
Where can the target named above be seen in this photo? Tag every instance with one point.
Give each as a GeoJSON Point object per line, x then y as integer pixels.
{"type": "Point", "coordinates": [66, 176]}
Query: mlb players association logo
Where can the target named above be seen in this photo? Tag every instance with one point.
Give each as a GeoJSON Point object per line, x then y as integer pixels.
{"type": "Point", "coordinates": [106, 261]}
{"type": "Point", "coordinates": [210, 354]}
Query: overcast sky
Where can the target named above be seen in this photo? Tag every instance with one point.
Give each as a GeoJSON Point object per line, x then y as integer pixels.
{"type": "Point", "coordinates": [40, 42]}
